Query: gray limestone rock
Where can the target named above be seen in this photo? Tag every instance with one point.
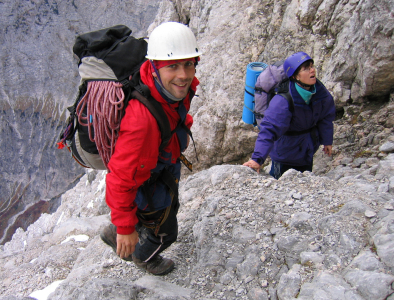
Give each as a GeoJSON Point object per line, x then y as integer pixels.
{"type": "Point", "coordinates": [300, 221]}
{"type": "Point", "coordinates": [391, 185]}
{"type": "Point", "coordinates": [386, 166]}
{"type": "Point", "coordinates": [353, 207]}
{"type": "Point", "coordinates": [385, 247]}
{"type": "Point", "coordinates": [242, 235]}
{"type": "Point", "coordinates": [384, 239]}
{"type": "Point", "coordinates": [289, 284]}
{"type": "Point", "coordinates": [165, 289]}
{"type": "Point", "coordinates": [387, 147]}
{"type": "Point", "coordinates": [257, 294]}
{"type": "Point", "coordinates": [311, 258]}
{"type": "Point", "coordinates": [97, 288]}
{"type": "Point", "coordinates": [249, 267]}
{"type": "Point", "coordinates": [366, 261]}
{"type": "Point", "coordinates": [328, 286]}
{"type": "Point", "coordinates": [371, 285]}
{"type": "Point", "coordinates": [234, 260]}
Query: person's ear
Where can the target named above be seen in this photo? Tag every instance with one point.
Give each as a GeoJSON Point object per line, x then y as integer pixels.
{"type": "Point", "coordinates": [154, 74]}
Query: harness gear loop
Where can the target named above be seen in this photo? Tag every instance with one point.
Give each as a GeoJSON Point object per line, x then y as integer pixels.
{"type": "Point", "coordinates": [172, 183]}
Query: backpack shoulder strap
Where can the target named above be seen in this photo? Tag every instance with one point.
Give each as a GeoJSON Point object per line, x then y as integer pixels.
{"type": "Point", "coordinates": [157, 111]}
{"type": "Point", "coordinates": [283, 90]}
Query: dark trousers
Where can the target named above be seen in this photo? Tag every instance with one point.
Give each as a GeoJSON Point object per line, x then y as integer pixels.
{"type": "Point", "coordinates": [149, 244]}
{"type": "Point", "coordinates": [277, 169]}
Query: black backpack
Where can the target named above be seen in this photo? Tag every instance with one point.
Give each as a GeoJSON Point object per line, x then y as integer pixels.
{"type": "Point", "coordinates": [109, 63]}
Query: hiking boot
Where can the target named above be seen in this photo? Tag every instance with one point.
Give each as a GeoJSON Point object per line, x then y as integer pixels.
{"type": "Point", "coordinates": [108, 235]}
{"type": "Point", "coordinates": [156, 266]}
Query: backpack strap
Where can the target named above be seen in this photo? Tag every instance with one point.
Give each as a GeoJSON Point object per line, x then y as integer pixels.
{"type": "Point", "coordinates": [257, 89]}
{"type": "Point", "coordinates": [182, 125]}
{"type": "Point", "coordinates": [283, 90]}
{"type": "Point", "coordinates": [157, 111]}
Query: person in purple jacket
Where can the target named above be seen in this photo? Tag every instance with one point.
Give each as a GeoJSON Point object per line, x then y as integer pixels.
{"type": "Point", "coordinates": [291, 137]}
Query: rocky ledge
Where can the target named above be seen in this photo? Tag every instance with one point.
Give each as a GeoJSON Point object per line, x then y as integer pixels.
{"type": "Point", "coordinates": [242, 236]}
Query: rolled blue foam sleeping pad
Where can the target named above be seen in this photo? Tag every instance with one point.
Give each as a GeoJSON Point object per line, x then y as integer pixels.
{"type": "Point", "coordinates": [253, 71]}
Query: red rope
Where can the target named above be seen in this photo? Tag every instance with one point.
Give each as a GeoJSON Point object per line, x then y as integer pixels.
{"type": "Point", "coordinates": [104, 101]}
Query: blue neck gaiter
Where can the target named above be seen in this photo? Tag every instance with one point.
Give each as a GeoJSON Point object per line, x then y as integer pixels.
{"type": "Point", "coordinates": [305, 94]}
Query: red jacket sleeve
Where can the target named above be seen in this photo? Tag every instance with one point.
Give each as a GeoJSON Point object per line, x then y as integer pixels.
{"type": "Point", "coordinates": [135, 155]}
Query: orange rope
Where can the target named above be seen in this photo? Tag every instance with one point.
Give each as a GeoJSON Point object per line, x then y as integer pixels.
{"type": "Point", "coordinates": [104, 101]}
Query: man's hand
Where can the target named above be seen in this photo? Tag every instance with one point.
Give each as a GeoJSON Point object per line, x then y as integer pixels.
{"type": "Point", "coordinates": [327, 149]}
{"type": "Point", "coordinates": [254, 165]}
{"type": "Point", "coordinates": [126, 244]}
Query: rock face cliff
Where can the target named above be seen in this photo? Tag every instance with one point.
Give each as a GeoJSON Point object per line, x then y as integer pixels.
{"type": "Point", "coordinates": [242, 235]}
{"type": "Point", "coordinates": [350, 41]}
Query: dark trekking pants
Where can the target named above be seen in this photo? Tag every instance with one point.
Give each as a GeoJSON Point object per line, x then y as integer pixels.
{"type": "Point", "coordinates": [149, 244]}
{"type": "Point", "coordinates": [277, 169]}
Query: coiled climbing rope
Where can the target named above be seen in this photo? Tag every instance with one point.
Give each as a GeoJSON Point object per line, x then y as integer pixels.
{"type": "Point", "coordinates": [104, 103]}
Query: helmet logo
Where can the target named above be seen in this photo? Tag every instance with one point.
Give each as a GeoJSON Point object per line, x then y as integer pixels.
{"type": "Point", "coordinates": [303, 57]}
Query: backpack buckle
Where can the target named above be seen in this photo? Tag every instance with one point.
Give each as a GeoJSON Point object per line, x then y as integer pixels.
{"type": "Point", "coordinates": [125, 83]}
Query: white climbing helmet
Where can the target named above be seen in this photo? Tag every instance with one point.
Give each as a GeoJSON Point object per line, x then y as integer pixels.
{"type": "Point", "coordinates": [172, 40]}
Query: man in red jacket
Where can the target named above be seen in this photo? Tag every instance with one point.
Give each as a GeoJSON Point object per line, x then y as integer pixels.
{"type": "Point", "coordinates": [141, 185]}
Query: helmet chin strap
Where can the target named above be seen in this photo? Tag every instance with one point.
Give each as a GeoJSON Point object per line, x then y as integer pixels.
{"type": "Point", "coordinates": [156, 71]}
{"type": "Point", "coordinates": [302, 84]}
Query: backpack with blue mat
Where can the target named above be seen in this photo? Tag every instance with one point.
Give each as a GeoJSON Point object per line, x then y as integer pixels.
{"type": "Point", "coordinates": [263, 82]}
